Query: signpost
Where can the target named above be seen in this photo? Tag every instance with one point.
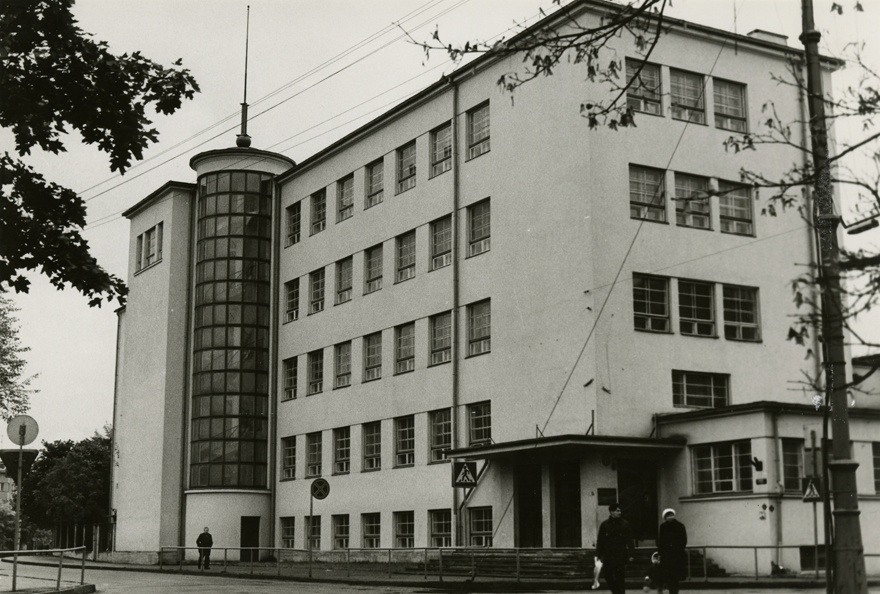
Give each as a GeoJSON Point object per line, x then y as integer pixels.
{"type": "Point", "coordinates": [22, 430]}
{"type": "Point", "coordinates": [464, 474]}
{"type": "Point", "coordinates": [319, 489]}
{"type": "Point", "coordinates": [812, 489]}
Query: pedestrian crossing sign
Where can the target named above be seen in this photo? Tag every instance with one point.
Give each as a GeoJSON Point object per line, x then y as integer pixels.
{"type": "Point", "coordinates": [812, 488]}
{"type": "Point", "coordinates": [464, 474]}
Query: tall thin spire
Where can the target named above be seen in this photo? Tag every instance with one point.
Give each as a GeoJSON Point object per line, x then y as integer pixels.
{"type": "Point", "coordinates": [243, 140]}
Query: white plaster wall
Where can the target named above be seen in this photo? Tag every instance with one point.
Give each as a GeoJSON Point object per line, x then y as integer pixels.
{"type": "Point", "coordinates": [221, 512]}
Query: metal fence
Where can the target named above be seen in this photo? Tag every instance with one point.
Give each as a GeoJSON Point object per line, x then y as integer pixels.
{"type": "Point", "coordinates": [59, 552]}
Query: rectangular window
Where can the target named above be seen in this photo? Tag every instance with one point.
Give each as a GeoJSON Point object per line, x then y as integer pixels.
{"type": "Point", "coordinates": [313, 536]}
{"type": "Point", "coordinates": [441, 149]}
{"type": "Point", "coordinates": [345, 198]}
{"type": "Point", "coordinates": [340, 531]}
{"type": "Point", "coordinates": [313, 454]}
{"type": "Point", "coordinates": [404, 529]}
{"type": "Point", "coordinates": [441, 243]}
{"type": "Point", "coordinates": [343, 279]}
{"type": "Point", "coordinates": [478, 131]}
{"type": "Point", "coordinates": [643, 93]}
{"type": "Point", "coordinates": [290, 379]}
{"type": "Point", "coordinates": [735, 209]}
{"type": "Point", "coordinates": [687, 96]}
{"type": "Point", "coordinates": [371, 528]}
{"type": "Point", "coordinates": [647, 193]}
{"type": "Point", "coordinates": [692, 207]}
{"type": "Point", "coordinates": [404, 441]}
{"type": "Point", "coordinates": [741, 313]}
{"type": "Point", "coordinates": [372, 446]}
{"type": "Point", "coordinates": [319, 211]}
{"type": "Point", "coordinates": [288, 525]}
{"type": "Point", "coordinates": [316, 291]}
{"type": "Point", "coordinates": [730, 105]}
{"type": "Point", "coordinates": [441, 338]}
{"type": "Point", "coordinates": [342, 358]}
{"type": "Point", "coordinates": [441, 434]}
{"type": "Point", "coordinates": [406, 167]}
{"type": "Point", "coordinates": [792, 464]}
{"type": "Point", "coordinates": [481, 526]}
{"type": "Point", "coordinates": [372, 356]}
{"type": "Point", "coordinates": [375, 183]}
{"type": "Point", "coordinates": [479, 423]}
{"type": "Point", "coordinates": [704, 390]}
{"type": "Point", "coordinates": [288, 457]}
{"type": "Point", "coordinates": [479, 328]}
{"type": "Point", "coordinates": [373, 269]}
{"type": "Point", "coordinates": [441, 527]}
{"type": "Point", "coordinates": [478, 228]}
{"type": "Point", "coordinates": [405, 348]}
{"type": "Point", "coordinates": [341, 450]}
{"type": "Point", "coordinates": [149, 247]}
{"type": "Point", "coordinates": [651, 303]}
{"type": "Point", "coordinates": [291, 298]}
{"type": "Point", "coordinates": [723, 468]}
{"type": "Point", "coordinates": [294, 222]}
{"type": "Point", "coordinates": [406, 256]}
{"type": "Point", "coordinates": [696, 308]}
{"type": "Point", "coordinates": [316, 372]}
{"type": "Point", "coordinates": [875, 450]}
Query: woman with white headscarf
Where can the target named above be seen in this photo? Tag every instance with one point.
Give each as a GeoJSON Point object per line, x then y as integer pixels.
{"type": "Point", "coordinates": [671, 542]}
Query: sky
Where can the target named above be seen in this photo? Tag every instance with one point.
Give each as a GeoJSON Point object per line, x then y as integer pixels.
{"type": "Point", "coordinates": [317, 69]}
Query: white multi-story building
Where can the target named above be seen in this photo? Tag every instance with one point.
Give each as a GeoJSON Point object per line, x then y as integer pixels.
{"type": "Point", "coordinates": [591, 315]}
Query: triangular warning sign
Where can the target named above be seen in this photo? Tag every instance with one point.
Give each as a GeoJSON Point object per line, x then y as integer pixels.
{"type": "Point", "coordinates": [811, 493]}
{"type": "Point", "coordinates": [465, 477]}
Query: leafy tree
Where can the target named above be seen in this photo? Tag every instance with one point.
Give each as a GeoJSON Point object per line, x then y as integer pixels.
{"type": "Point", "coordinates": [14, 390]}
{"type": "Point", "coordinates": [55, 77]}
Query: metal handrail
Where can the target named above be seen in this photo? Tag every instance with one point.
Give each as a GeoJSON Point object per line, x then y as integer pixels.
{"type": "Point", "coordinates": [34, 552]}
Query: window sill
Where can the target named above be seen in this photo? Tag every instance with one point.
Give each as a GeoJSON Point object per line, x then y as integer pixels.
{"type": "Point", "coordinates": [697, 228]}
{"type": "Point", "coordinates": [288, 400]}
{"type": "Point", "coordinates": [487, 151]}
{"type": "Point", "coordinates": [404, 372]}
{"type": "Point", "coordinates": [398, 282]}
{"type": "Point", "coordinates": [647, 220]}
{"type": "Point", "coordinates": [433, 175]}
{"type": "Point", "coordinates": [371, 469]}
{"type": "Point", "coordinates": [341, 387]}
{"type": "Point", "coordinates": [690, 121]}
{"type": "Point", "coordinates": [714, 336]}
{"type": "Point", "coordinates": [646, 331]}
{"type": "Point", "coordinates": [650, 113]}
{"type": "Point", "coordinates": [399, 192]}
{"type": "Point", "coordinates": [311, 476]}
{"type": "Point", "coordinates": [402, 466]}
{"type": "Point", "coordinates": [752, 235]}
{"type": "Point", "coordinates": [340, 473]}
{"type": "Point", "coordinates": [287, 480]}
{"type": "Point", "coordinates": [756, 341]}
{"type": "Point", "coordinates": [439, 364]}
{"type": "Point", "coordinates": [148, 266]}
{"type": "Point", "coordinates": [469, 256]}
{"type": "Point", "coordinates": [477, 355]}
{"type": "Point", "coordinates": [438, 462]}
{"type": "Point", "coordinates": [373, 291]}
{"type": "Point", "coordinates": [375, 379]}
{"type": "Point", "coordinates": [341, 302]}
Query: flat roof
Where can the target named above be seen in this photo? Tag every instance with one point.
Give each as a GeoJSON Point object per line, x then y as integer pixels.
{"type": "Point", "coordinates": [169, 185]}
{"type": "Point", "coordinates": [568, 446]}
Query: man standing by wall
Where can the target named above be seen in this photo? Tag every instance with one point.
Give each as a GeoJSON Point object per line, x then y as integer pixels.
{"type": "Point", "coordinates": [205, 541]}
{"type": "Point", "coordinates": [614, 548]}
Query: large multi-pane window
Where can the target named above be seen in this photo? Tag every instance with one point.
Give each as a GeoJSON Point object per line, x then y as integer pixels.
{"type": "Point", "coordinates": [314, 453]}
{"type": "Point", "coordinates": [405, 348]}
{"type": "Point", "coordinates": [404, 441]}
{"type": "Point", "coordinates": [730, 105]}
{"type": "Point", "coordinates": [704, 390]}
{"type": "Point", "coordinates": [291, 300]}
{"type": "Point", "coordinates": [687, 96]}
{"type": "Point", "coordinates": [316, 372]}
{"type": "Point", "coordinates": [316, 291]}
{"type": "Point", "coordinates": [723, 467]}
{"type": "Point", "coordinates": [341, 531]}
{"type": "Point", "coordinates": [406, 256]}
{"type": "Point", "coordinates": [478, 228]}
{"type": "Point", "coordinates": [792, 463]}
{"type": "Point", "coordinates": [479, 423]}
{"type": "Point", "coordinates": [441, 527]}
{"type": "Point", "coordinates": [288, 457]}
{"type": "Point", "coordinates": [345, 198]}
{"type": "Point", "coordinates": [343, 279]}
{"type": "Point", "coordinates": [371, 529]}
{"type": "Point", "coordinates": [288, 525]}
{"type": "Point", "coordinates": [696, 308]}
{"type": "Point", "coordinates": [375, 183]}
{"type": "Point", "coordinates": [692, 206]}
{"type": "Point", "coordinates": [341, 450]}
{"type": "Point", "coordinates": [406, 167]}
{"type": "Point", "coordinates": [342, 360]}
{"type": "Point", "coordinates": [441, 149]}
{"type": "Point", "coordinates": [643, 93]}
{"type": "Point", "coordinates": [479, 327]}
{"type": "Point", "coordinates": [441, 243]}
{"type": "Point", "coordinates": [480, 526]}
{"type": "Point", "coordinates": [741, 313]}
{"type": "Point", "coordinates": [313, 532]}
{"type": "Point", "coordinates": [319, 211]}
{"type": "Point", "coordinates": [441, 338]}
{"type": "Point", "coordinates": [372, 356]}
{"type": "Point", "coordinates": [373, 269]}
{"type": "Point", "coordinates": [735, 209]}
{"type": "Point", "coordinates": [651, 303]}
{"type": "Point", "coordinates": [294, 223]}
{"type": "Point", "coordinates": [441, 433]}
{"type": "Point", "coordinates": [647, 194]}
{"type": "Point", "coordinates": [404, 529]}
{"type": "Point", "coordinates": [478, 131]}
{"type": "Point", "coordinates": [372, 440]}
{"type": "Point", "coordinates": [290, 378]}
{"type": "Point", "coordinates": [149, 247]}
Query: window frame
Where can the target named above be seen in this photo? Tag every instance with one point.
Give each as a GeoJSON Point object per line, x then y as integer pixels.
{"type": "Point", "coordinates": [406, 167]}
{"type": "Point", "coordinates": [684, 105]}
{"type": "Point", "coordinates": [404, 441]}
{"type": "Point", "coordinates": [480, 522]}
{"type": "Point", "coordinates": [293, 222]}
{"type": "Point", "coordinates": [404, 529]}
{"type": "Point", "coordinates": [646, 315]}
{"type": "Point", "coordinates": [313, 534]}
{"type": "Point", "coordinates": [727, 119]}
{"type": "Point", "coordinates": [314, 454]}
{"type": "Point", "coordinates": [735, 211]}
{"type": "Point", "coordinates": [641, 97]}
{"type": "Point", "coordinates": [734, 326]}
{"type": "Point", "coordinates": [372, 446]}
{"type": "Point", "coordinates": [739, 472]}
{"type": "Point", "coordinates": [718, 385]}
{"type": "Point", "coordinates": [441, 339]}
{"type": "Point", "coordinates": [372, 356]}
{"type": "Point", "coordinates": [441, 249]}
{"type": "Point", "coordinates": [440, 527]}
{"type": "Point", "coordinates": [288, 532]}
{"type": "Point", "coordinates": [478, 130]}
{"type": "Point", "coordinates": [405, 256]}
{"type": "Point", "coordinates": [290, 378]}
{"type": "Point", "coordinates": [342, 450]}
{"type": "Point", "coordinates": [441, 149]}
{"type": "Point", "coordinates": [342, 365]}
{"type": "Point", "coordinates": [696, 317]}
{"type": "Point", "coordinates": [374, 190]}
{"type": "Point", "coordinates": [479, 228]}
{"type": "Point", "coordinates": [345, 198]}
{"type": "Point", "coordinates": [405, 348]}
{"type": "Point", "coordinates": [373, 269]}
{"type": "Point", "coordinates": [479, 423]}
{"type": "Point", "coordinates": [440, 428]}
{"type": "Point", "coordinates": [149, 247]}
{"type": "Point", "coordinates": [291, 300]}
{"type": "Point", "coordinates": [341, 531]}
{"type": "Point", "coordinates": [317, 290]}
{"type": "Point", "coordinates": [371, 530]}
{"type": "Point", "coordinates": [318, 216]}
{"type": "Point", "coordinates": [315, 360]}
{"type": "Point", "coordinates": [344, 279]}
{"type": "Point", "coordinates": [639, 209]}
{"type": "Point", "coordinates": [689, 211]}
{"type": "Point", "coordinates": [792, 448]}
{"type": "Point", "coordinates": [288, 458]}
{"type": "Point", "coordinates": [479, 327]}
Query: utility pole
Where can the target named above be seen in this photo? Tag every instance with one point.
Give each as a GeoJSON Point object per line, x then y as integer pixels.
{"type": "Point", "coordinates": [849, 560]}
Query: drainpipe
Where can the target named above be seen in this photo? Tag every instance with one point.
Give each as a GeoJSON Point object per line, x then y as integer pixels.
{"type": "Point", "coordinates": [275, 307]}
{"type": "Point", "coordinates": [777, 462]}
{"type": "Point", "coordinates": [456, 199]}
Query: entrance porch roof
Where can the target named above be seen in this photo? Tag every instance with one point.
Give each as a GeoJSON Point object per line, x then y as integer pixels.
{"type": "Point", "coordinates": [571, 446]}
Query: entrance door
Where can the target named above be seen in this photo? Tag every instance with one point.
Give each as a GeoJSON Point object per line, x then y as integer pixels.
{"type": "Point", "coordinates": [250, 537]}
{"type": "Point", "coordinates": [527, 486]}
{"type": "Point", "coordinates": [637, 494]}
{"type": "Point", "coordinates": [566, 477]}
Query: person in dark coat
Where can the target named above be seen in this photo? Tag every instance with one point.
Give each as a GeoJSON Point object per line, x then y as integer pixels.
{"type": "Point", "coordinates": [671, 542]}
{"type": "Point", "coordinates": [205, 541]}
{"type": "Point", "coordinates": [614, 547]}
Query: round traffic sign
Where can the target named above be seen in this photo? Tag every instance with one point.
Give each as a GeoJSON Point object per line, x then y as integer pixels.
{"type": "Point", "coordinates": [320, 488]}
{"type": "Point", "coordinates": [22, 430]}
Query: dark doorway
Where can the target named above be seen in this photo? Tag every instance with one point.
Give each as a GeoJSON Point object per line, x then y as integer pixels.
{"type": "Point", "coordinates": [566, 477]}
{"type": "Point", "coordinates": [637, 493]}
{"type": "Point", "coordinates": [527, 486]}
{"type": "Point", "coordinates": [250, 537]}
